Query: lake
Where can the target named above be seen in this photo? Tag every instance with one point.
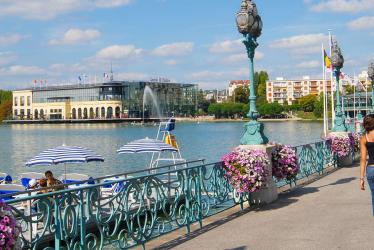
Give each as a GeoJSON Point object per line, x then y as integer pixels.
{"type": "Point", "coordinates": [208, 140]}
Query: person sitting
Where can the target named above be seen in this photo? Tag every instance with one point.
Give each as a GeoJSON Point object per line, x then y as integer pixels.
{"type": "Point", "coordinates": [43, 184]}
{"type": "Point", "coordinates": [51, 180]}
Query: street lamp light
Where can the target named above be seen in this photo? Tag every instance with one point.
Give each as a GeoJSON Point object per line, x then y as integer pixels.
{"type": "Point", "coordinates": [337, 61]}
{"type": "Point", "coordinates": [250, 25]}
{"type": "Point", "coordinates": [371, 79]}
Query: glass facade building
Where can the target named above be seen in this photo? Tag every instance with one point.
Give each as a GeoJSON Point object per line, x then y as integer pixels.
{"type": "Point", "coordinates": [115, 99]}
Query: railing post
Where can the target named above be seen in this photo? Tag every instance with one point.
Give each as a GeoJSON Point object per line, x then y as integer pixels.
{"type": "Point", "coordinates": [187, 199]}
{"type": "Point", "coordinates": [199, 194]}
{"type": "Point", "coordinates": [82, 222]}
{"type": "Point", "coordinates": [57, 224]}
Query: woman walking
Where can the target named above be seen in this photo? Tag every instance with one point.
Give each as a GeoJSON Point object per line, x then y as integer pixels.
{"type": "Point", "coordinates": [367, 148]}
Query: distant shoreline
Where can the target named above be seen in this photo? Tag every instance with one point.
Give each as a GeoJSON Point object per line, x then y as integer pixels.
{"type": "Point", "coordinates": [210, 119]}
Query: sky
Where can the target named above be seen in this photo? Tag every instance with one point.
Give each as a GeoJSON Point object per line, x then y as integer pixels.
{"type": "Point", "coordinates": [192, 41]}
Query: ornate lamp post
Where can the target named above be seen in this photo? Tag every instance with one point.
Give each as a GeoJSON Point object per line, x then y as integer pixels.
{"type": "Point", "coordinates": [250, 25]}
{"type": "Point", "coordinates": [371, 78]}
{"type": "Point", "coordinates": [337, 61]}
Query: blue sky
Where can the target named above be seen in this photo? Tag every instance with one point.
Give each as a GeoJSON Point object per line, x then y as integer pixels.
{"type": "Point", "coordinates": [184, 40]}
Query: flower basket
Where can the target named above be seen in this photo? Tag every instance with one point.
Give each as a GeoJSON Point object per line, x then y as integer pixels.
{"type": "Point", "coordinates": [285, 163]}
{"type": "Point", "coordinates": [246, 169]}
{"type": "Point", "coordinates": [341, 144]}
{"type": "Point", "coordinates": [9, 228]}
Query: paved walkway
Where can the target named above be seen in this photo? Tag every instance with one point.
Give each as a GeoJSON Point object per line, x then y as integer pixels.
{"type": "Point", "coordinates": [331, 213]}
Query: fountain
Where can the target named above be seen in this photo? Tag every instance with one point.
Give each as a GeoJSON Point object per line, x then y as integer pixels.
{"type": "Point", "coordinates": [149, 93]}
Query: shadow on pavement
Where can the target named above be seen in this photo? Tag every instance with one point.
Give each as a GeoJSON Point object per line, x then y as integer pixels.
{"type": "Point", "coordinates": [285, 199]}
{"type": "Point", "coordinates": [341, 181]}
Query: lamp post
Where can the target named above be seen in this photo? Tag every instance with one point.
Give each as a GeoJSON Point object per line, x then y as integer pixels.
{"type": "Point", "coordinates": [337, 61]}
{"type": "Point", "coordinates": [371, 78]}
{"type": "Point", "coordinates": [249, 24]}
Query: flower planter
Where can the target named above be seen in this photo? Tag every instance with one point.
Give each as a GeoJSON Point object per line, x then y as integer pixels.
{"type": "Point", "coordinates": [342, 145]}
{"type": "Point", "coordinates": [345, 161]}
{"type": "Point", "coordinates": [269, 192]}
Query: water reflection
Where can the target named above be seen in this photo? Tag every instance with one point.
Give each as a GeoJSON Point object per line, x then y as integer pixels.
{"type": "Point", "coordinates": [18, 143]}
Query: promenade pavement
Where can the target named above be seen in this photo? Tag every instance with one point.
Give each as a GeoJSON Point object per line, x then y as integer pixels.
{"type": "Point", "coordinates": [330, 213]}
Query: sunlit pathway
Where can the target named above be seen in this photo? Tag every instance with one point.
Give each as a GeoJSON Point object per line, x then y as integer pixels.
{"type": "Point", "coordinates": [331, 213]}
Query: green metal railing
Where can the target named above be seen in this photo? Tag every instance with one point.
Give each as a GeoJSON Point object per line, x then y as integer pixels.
{"type": "Point", "coordinates": [139, 208]}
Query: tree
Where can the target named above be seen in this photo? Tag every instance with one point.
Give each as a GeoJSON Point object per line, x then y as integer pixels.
{"type": "Point", "coordinates": [270, 109]}
{"type": "Point", "coordinates": [260, 81]}
{"type": "Point", "coordinates": [241, 94]}
{"type": "Point", "coordinates": [307, 102]}
{"type": "Point", "coordinates": [5, 104]}
{"type": "Point", "coordinates": [5, 109]}
{"type": "Point", "coordinates": [202, 103]}
{"type": "Point", "coordinates": [349, 89]}
{"type": "Point", "coordinates": [318, 107]}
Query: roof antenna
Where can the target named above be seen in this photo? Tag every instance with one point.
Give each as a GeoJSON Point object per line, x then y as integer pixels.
{"type": "Point", "coordinates": [111, 71]}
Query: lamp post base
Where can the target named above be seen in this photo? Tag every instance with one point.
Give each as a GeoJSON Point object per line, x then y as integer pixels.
{"type": "Point", "coordinates": [339, 123]}
{"type": "Point", "coordinates": [254, 134]}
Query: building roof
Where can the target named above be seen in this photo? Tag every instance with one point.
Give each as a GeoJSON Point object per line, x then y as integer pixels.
{"type": "Point", "coordinates": [95, 85]}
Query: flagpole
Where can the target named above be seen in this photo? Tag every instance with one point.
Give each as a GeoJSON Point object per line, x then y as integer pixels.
{"type": "Point", "coordinates": [354, 101]}
{"type": "Point", "coordinates": [324, 92]}
{"type": "Point", "coordinates": [332, 83]}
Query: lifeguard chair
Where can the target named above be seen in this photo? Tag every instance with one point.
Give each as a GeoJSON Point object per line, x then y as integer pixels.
{"type": "Point", "coordinates": [164, 134]}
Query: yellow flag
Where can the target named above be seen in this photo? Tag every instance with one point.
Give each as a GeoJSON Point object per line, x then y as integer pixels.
{"type": "Point", "coordinates": [327, 60]}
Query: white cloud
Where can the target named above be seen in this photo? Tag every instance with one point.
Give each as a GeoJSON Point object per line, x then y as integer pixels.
{"type": "Point", "coordinates": [173, 49]}
{"type": "Point", "coordinates": [111, 3]}
{"type": "Point", "coordinates": [7, 57]}
{"type": "Point", "coordinates": [365, 22]}
{"type": "Point", "coordinates": [228, 46]}
{"type": "Point", "coordinates": [309, 64]}
{"type": "Point", "coordinates": [350, 6]}
{"type": "Point", "coordinates": [49, 9]}
{"type": "Point", "coordinates": [299, 41]}
{"type": "Point", "coordinates": [207, 75]}
{"type": "Point", "coordinates": [119, 52]}
{"type": "Point", "coordinates": [10, 39]}
{"type": "Point", "coordinates": [171, 62]}
{"type": "Point", "coordinates": [17, 70]}
{"type": "Point", "coordinates": [61, 68]}
{"type": "Point", "coordinates": [242, 57]}
{"type": "Point", "coordinates": [132, 76]}
{"type": "Point", "coordinates": [307, 50]}
{"type": "Point", "coordinates": [75, 36]}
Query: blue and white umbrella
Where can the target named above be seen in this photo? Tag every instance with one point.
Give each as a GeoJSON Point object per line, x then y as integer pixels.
{"type": "Point", "coordinates": [64, 154]}
{"type": "Point", "coordinates": [146, 146]}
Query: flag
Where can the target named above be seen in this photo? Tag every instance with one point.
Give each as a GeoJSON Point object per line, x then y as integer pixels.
{"type": "Point", "coordinates": [327, 61]}
{"type": "Point", "coordinates": [80, 78]}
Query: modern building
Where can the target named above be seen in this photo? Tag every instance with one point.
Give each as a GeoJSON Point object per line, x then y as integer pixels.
{"type": "Point", "coordinates": [287, 91]}
{"type": "Point", "coordinates": [114, 99]}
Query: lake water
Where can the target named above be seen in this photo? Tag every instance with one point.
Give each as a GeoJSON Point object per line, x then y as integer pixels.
{"type": "Point", "coordinates": [208, 140]}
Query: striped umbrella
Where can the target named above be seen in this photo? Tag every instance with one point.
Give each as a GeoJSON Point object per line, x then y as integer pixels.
{"type": "Point", "coordinates": [146, 146]}
{"type": "Point", "coordinates": [64, 154]}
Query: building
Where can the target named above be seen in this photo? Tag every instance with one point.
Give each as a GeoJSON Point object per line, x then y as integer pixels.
{"type": "Point", "coordinates": [215, 94]}
{"type": "Point", "coordinates": [115, 99]}
{"type": "Point", "coordinates": [287, 91]}
{"type": "Point", "coordinates": [235, 84]}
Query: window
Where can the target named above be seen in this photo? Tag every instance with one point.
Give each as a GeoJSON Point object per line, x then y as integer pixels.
{"type": "Point", "coordinates": [15, 112]}
{"type": "Point", "coordinates": [15, 101]}
{"type": "Point", "coordinates": [22, 101]}
{"type": "Point", "coordinates": [28, 100]}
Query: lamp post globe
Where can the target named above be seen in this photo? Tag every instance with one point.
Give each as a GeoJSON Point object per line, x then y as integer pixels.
{"type": "Point", "coordinates": [337, 61]}
{"type": "Point", "coordinates": [371, 79]}
{"type": "Point", "coordinates": [249, 24]}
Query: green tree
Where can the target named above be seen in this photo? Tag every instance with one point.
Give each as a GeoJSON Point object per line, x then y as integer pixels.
{"type": "Point", "coordinates": [318, 107]}
{"type": "Point", "coordinates": [270, 109]}
{"type": "Point", "coordinates": [241, 94]}
{"type": "Point", "coordinates": [5, 104]}
{"type": "Point", "coordinates": [307, 102]}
